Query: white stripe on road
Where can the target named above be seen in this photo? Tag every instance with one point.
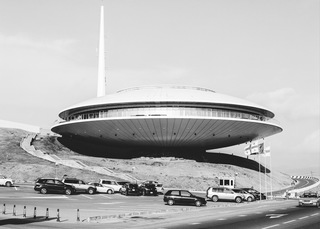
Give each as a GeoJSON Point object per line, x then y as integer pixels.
{"type": "Point", "coordinates": [104, 196]}
{"type": "Point", "coordinates": [291, 221]}
{"type": "Point", "coordinates": [304, 217]}
{"type": "Point", "coordinates": [87, 197]}
{"type": "Point", "coordinates": [271, 226]}
{"type": "Point", "coordinates": [315, 214]}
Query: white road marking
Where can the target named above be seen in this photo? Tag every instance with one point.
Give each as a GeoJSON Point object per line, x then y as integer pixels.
{"type": "Point", "coordinates": [272, 210]}
{"type": "Point", "coordinates": [275, 216]}
{"type": "Point", "coordinates": [195, 223]}
{"type": "Point", "coordinates": [221, 219]}
{"type": "Point", "coordinates": [87, 197]}
{"type": "Point", "coordinates": [291, 221]}
{"type": "Point", "coordinates": [315, 214]}
{"type": "Point", "coordinates": [104, 196]}
{"type": "Point", "coordinates": [304, 217]}
{"type": "Point", "coordinates": [112, 203]}
{"type": "Point", "coordinates": [44, 197]}
{"type": "Point", "coordinates": [242, 215]}
{"type": "Point", "coordinates": [271, 226]}
{"type": "Point", "coordinates": [16, 188]}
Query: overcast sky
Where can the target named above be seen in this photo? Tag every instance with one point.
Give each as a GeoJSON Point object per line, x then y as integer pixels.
{"type": "Point", "coordinates": [265, 51]}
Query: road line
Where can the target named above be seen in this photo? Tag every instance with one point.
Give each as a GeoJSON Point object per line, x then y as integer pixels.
{"type": "Point", "coordinates": [221, 219]}
{"type": "Point", "coordinates": [291, 221]}
{"type": "Point", "coordinates": [195, 223]}
{"type": "Point", "coordinates": [272, 210]}
{"type": "Point", "coordinates": [87, 197]}
{"type": "Point", "coordinates": [304, 217]}
{"type": "Point", "coordinates": [271, 226]}
{"type": "Point", "coordinates": [108, 197]}
{"type": "Point", "coordinates": [315, 214]}
{"type": "Point", "coordinates": [242, 215]}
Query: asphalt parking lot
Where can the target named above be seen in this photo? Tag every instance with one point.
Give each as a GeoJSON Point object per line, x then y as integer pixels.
{"type": "Point", "coordinates": [22, 201]}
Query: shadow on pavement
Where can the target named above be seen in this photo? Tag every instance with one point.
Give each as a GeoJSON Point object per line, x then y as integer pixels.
{"type": "Point", "coordinates": [14, 221]}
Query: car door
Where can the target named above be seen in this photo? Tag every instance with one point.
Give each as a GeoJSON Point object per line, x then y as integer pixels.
{"type": "Point", "coordinates": [186, 197]}
{"type": "Point", "coordinates": [59, 186]}
{"type": "Point", "coordinates": [50, 184]}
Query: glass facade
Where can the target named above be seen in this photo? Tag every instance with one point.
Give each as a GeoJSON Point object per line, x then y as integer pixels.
{"type": "Point", "coordinates": [165, 111]}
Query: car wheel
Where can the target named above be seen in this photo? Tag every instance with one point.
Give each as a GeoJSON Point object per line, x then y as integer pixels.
{"type": "Point", "coordinates": [214, 198]}
{"type": "Point", "coordinates": [68, 191]}
{"type": "Point", "coordinates": [90, 191]}
{"type": "Point", "coordinates": [109, 191]}
{"type": "Point", "coordinates": [43, 191]}
{"type": "Point", "coordinates": [249, 199]}
{"type": "Point", "coordinates": [318, 204]}
{"type": "Point", "coordinates": [8, 184]}
{"type": "Point", "coordinates": [238, 199]}
{"type": "Point", "coordinates": [198, 203]}
{"type": "Point", "coordinates": [170, 202]}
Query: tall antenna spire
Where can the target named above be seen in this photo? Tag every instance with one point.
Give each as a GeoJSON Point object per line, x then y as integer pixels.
{"type": "Point", "coordinates": [101, 90]}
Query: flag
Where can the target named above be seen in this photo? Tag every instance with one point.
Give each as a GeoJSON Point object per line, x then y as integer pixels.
{"type": "Point", "coordinates": [258, 149]}
{"type": "Point", "coordinates": [267, 152]}
{"type": "Point", "coordinates": [247, 150]}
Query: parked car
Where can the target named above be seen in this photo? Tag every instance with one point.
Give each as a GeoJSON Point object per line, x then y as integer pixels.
{"type": "Point", "coordinates": [160, 189]}
{"type": "Point", "coordinates": [309, 199]}
{"type": "Point", "coordinates": [148, 188]}
{"type": "Point", "coordinates": [255, 193]}
{"type": "Point", "coordinates": [6, 181]}
{"type": "Point", "coordinates": [52, 185]}
{"type": "Point", "coordinates": [247, 196]}
{"type": "Point", "coordinates": [221, 193]}
{"type": "Point", "coordinates": [184, 197]}
{"type": "Point", "coordinates": [111, 183]}
{"type": "Point", "coordinates": [103, 188]}
{"type": "Point", "coordinates": [80, 185]}
{"type": "Point", "coordinates": [130, 189]}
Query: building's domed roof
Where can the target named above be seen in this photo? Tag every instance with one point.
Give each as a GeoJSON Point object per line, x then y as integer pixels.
{"type": "Point", "coordinates": [166, 94]}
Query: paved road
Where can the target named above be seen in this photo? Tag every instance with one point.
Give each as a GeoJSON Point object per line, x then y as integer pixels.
{"type": "Point", "coordinates": [143, 212]}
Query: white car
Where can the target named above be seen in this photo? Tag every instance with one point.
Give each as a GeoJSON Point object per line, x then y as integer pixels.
{"type": "Point", "coordinates": [246, 195]}
{"type": "Point", "coordinates": [6, 181]}
{"type": "Point", "coordinates": [111, 183]}
{"type": "Point", "coordinates": [103, 188]}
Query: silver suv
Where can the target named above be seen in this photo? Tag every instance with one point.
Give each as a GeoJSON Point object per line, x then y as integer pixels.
{"type": "Point", "coordinates": [111, 183]}
{"type": "Point", "coordinates": [80, 185]}
{"type": "Point", "coordinates": [221, 193]}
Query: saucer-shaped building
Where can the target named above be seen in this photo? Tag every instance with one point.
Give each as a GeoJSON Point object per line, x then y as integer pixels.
{"type": "Point", "coordinates": [168, 117]}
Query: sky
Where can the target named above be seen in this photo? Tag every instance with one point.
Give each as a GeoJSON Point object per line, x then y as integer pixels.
{"type": "Point", "coordinates": [263, 51]}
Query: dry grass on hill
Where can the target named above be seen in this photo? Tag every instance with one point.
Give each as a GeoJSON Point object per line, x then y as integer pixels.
{"type": "Point", "coordinates": [172, 172]}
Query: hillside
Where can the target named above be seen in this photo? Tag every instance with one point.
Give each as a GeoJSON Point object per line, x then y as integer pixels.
{"type": "Point", "coordinates": [171, 171]}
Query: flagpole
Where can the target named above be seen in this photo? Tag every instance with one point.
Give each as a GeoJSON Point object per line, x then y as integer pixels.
{"type": "Point", "coordinates": [265, 172]}
{"type": "Point", "coordinates": [271, 177]}
{"type": "Point", "coordinates": [259, 175]}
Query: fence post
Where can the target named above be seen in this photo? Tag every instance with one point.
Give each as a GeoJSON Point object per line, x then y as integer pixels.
{"type": "Point", "coordinates": [58, 216]}
{"type": "Point", "coordinates": [4, 209]}
{"type": "Point", "coordinates": [35, 213]}
{"type": "Point", "coordinates": [14, 210]}
{"type": "Point", "coordinates": [78, 215]}
{"type": "Point", "coordinates": [47, 213]}
{"type": "Point", "coordinates": [24, 212]}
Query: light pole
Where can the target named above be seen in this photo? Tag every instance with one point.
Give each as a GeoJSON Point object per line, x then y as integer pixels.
{"type": "Point", "coordinates": [235, 177]}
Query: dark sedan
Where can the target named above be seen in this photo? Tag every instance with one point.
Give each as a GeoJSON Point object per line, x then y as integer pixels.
{"type": "Point", "coordinates": [183, 197]}
{"type": "Point", "coordinates": [130, 189]}
{"type": "Point", "coordinates": [52, 185]}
